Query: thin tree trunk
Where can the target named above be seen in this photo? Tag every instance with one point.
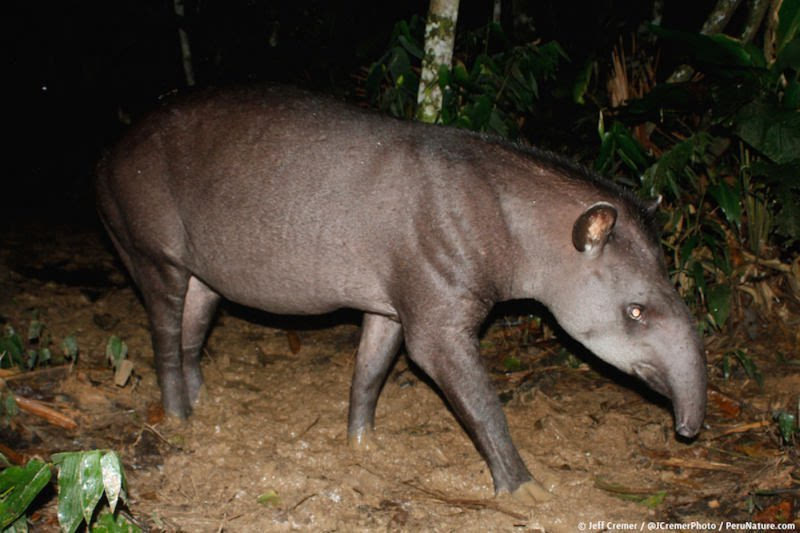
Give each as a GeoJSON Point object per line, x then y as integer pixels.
{"type": "Point", "coordinates": [440, 34]}
{"type": "Point", "coordinates": [770, 34]}
{"type": "Point", "coordinates": [186, 50]}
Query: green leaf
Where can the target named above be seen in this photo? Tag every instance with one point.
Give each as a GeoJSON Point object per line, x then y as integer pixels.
{"type": "Point", "coordinates": [729, 199]}
{"type": "Point", "coordinates": [772, 130]}
{"type": "Point", "coordinates": [269, 498]}
{"type": "Point", "coordinates": [91, 483]}
{"type": "Point", "coordinates": [35, 330]}
{"type": "Point", "coordinates": [512, 364]}
{"type": "Point", "coordinates": [581, 85]}
{"type": "Point", "coordinates": [788, 23]}
{"type": "Point", "coordinates": [749, 367]}
{"type": "Point", "coordinates": [718, 299]}
{"type": "Point", "coordinates": [410, 46]}
{"type": "Point", "coordinates": [116, 350]}
{"type": "Point", "coordinates": [70, 347]}
{"type": "Point", "coordinates": [113, 479]}
{"type": "Point", "coordinates": [789, 57]}
{"type": "Point", "coordinates": [787, 424]}
{"type": "Point", "coordinates": [18, 487]}
{"type": "Point", "coordinates": [70, 510]}
{"type": "Point", "coordinates": [710, 49]}
{"type": "Point", "coordinates": [108, 523]}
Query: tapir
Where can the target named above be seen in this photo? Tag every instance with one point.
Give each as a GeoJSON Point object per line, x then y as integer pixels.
{"type": "Point", "coordinates": [295, 203]}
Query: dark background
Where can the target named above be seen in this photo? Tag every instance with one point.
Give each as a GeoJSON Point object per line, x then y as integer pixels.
{"type": "Point", "coordinates": [78, 72]}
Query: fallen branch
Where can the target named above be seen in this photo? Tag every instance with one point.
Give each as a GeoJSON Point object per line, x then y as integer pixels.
{"type": "Point", "coordinates": [13, 456]}
{"type": "Point", "coordinates": [40, 409]}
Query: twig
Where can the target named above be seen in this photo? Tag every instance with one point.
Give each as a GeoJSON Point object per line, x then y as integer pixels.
{"type": "Point", "coordinates": [163, 439]}
{"type": "Point", "coordinates": [301, 502]}
{"type": "Point", "coordinates": [743, 428]}
{"type": "Point", "coordinates": [311, 425]}
{"type": "Point", "coordinates": [700, 464]}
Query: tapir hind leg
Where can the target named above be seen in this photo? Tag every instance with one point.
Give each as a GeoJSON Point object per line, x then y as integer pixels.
{"type": "Point", "coordinates": [199, 305]}
{"type": "Point", "coordinates": [163, 289]}
{"type": "Point", "coordinates": [380, 340]}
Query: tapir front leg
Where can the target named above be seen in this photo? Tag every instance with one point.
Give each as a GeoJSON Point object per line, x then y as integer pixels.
{"type": "Point", "coordinates": [450, 357]}
{"type": "Point", "coordinates": [380, 340]}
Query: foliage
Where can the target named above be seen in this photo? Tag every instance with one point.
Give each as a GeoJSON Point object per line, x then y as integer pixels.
{"type": "Point", "coordinates": [483, 91]}
{"type": "Point", "coordinates": [83, 479]}
{"type": "Point", "coordinates": [724, 152]}
{"type": "Point", "coordinates": [33, 350]}
{"type": "Point", "coordinates": [116, 351]}
{"type": "Point", "coordinates": [787, 426]}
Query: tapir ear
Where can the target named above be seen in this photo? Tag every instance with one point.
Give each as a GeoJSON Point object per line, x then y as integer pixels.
{"type": "Point", "coordinates": [652, 206]}
{"type": "Point", "coordinates": [593, 227]}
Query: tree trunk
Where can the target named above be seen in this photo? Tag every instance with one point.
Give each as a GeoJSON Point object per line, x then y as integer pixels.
{"type": "Point", "coordinates": [440, 34]}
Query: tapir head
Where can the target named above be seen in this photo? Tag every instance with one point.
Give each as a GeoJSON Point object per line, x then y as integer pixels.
{"type": "Point", "coordinates": [619, 303]}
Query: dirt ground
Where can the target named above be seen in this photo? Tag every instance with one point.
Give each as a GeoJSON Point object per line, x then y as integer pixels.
{"type": "Point", "coordinates": [267, 449]}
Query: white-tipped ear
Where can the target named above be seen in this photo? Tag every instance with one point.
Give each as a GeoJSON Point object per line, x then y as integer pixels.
{"type": "Point", "coordinates": [592, 229]}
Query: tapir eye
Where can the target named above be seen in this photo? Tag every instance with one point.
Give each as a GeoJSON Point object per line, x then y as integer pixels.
{"type": "Point", "coordinates": [635, 312]}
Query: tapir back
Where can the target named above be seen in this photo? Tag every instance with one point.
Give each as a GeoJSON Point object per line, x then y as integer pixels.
{"type": "Point", "coordinates": [298, 204]}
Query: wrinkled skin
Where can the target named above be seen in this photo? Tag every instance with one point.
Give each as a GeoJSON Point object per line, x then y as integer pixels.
{"type": "Point", "coordinates": [293, 203]}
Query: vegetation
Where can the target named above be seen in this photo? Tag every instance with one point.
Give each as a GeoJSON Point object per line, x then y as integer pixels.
{"type": "Point", "coordinates": [722, 149]}
{"type": "Point", "coordinates": [84, 478]}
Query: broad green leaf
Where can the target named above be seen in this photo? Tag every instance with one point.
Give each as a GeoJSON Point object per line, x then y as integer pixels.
{"type": "Point", "coordinates": [772, 130]}
{"type": "Point", "coordinates": [113, 479]}
{"type": "Point", "coordinates": [70, 514]}
{"type": "Point", "coordinates": [710, 49]}
{"type": "Point", "coordinates": [718, 299]}
{"type": "Point", "coordinates": [19, 485]}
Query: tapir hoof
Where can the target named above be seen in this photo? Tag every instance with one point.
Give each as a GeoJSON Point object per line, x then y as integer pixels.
{"type": "Point", "coordinates": [362, 441]}
{"type": "Point", "coordinates": [532, 492]}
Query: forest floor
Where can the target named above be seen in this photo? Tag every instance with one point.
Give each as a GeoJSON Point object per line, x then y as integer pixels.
{"type": "Point", "coordinates": [267, 451]}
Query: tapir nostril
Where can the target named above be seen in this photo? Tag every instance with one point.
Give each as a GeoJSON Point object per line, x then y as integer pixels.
{"type": "Point", "coordinates": [685, 431]}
